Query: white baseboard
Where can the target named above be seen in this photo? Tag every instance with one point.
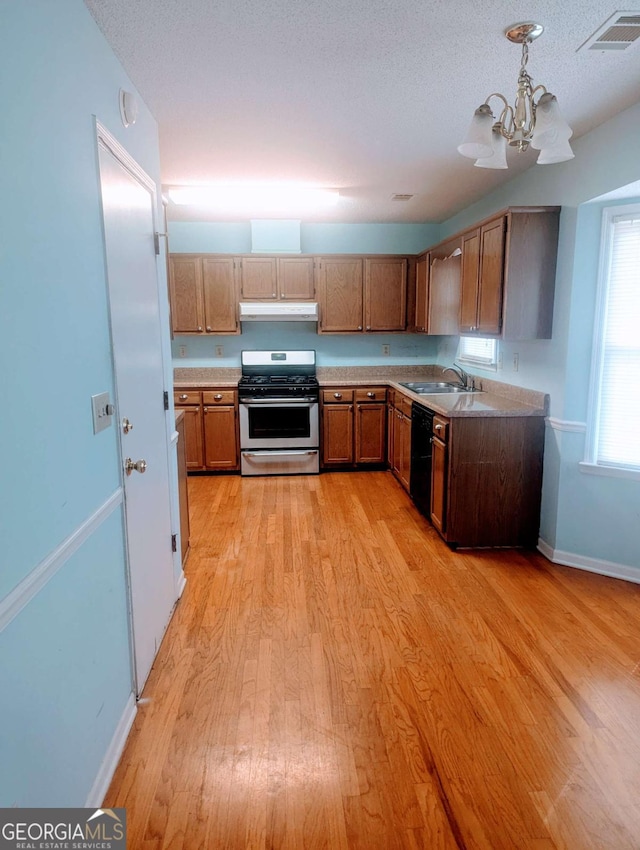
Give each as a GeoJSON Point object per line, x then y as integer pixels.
{"type": "Point", "coordinates": [182, 583]}
{"type": "Point", "coordinates": [112, 756]}
{"type": "Point", "coordinates": [591, 565]}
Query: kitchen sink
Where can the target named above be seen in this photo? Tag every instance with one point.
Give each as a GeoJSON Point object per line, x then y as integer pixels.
{"type": "Point", "coordinates": [428, 388]}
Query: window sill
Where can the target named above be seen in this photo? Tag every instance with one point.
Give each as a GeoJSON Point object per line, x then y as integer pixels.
{"type": "Point", "coordinates": [609, 471]}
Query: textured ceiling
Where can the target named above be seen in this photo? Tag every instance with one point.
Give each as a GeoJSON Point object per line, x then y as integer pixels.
{"type": "Point", "coordinates": [370, 96]}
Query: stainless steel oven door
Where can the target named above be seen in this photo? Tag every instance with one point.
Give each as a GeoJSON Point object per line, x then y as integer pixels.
{"type": "Point", "coordinates": [279, 424]}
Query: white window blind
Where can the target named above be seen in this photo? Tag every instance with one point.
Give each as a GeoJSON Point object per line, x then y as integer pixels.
{"type": "Point", "coordinates": [478, 351]}
{"type": "Point", "coordinates": [617, 412]}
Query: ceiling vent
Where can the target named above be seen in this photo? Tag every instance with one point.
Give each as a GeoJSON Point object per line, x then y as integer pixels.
{"type": "Point", "coordinates": [619, 32]}
{"type": "Point", "coordinates": [401, 197]}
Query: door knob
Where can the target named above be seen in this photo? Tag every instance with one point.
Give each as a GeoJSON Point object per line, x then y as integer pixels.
{"type": "Point", "coordinates": [138, 465]}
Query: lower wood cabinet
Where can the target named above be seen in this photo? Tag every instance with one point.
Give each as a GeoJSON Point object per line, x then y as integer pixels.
{"type": "Point", "coordinates": [211, 428]}
{"type": "Point", "coordinates": [353, 427]}
{"type": "Point", "coordinates": [183, 490]}
{"type": "Point", "coordinates": [399, 452]}
{"type": "Point", "coordinates": [486, 480]}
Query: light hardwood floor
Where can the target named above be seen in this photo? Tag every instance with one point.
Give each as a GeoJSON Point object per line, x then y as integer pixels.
{"type": "Point", "coordinates": [335, 677]}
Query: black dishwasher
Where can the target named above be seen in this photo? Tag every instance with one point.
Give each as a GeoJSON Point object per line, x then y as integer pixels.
{"type": "Point", "coordinates": [421, 449]}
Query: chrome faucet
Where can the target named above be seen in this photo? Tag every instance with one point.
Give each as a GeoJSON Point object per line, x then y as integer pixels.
{"type": "Point", "coordinates": [461, 375]}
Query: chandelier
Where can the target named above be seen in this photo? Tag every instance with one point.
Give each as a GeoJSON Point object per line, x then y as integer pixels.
{"type": "Point", "coordinates": [528, 123]}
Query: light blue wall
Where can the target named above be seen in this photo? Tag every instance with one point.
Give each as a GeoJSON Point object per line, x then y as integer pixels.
{"type": "Point", "coordinates": [331, 349]}
{"type": "Point", "coordinates": [585, 516]}
{"type": "Point", "coordinates": [192, 237]}
{"type": "Point", "coordinates": [65, 666]}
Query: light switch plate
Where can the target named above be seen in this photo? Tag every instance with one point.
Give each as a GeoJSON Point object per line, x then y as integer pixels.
{"type": "Point", "coordinates": [102, 410]}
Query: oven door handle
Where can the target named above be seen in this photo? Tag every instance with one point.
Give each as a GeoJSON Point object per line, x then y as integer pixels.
{"type": "Point", "coordinates": [280, 402]}
{"type": "Point", "coordinates": [286, 453]}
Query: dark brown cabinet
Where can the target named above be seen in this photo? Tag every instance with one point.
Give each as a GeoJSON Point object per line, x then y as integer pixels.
{"type": "Point", "coordinates": [183, 487]}
{"type": "Point", "coordinates": [353, 427]}
{"type": "Point", "coordinates": [486, 480]}
{"type": "Point", "coordinates": [385, 294]}
{"type": "Point", "coordinates": [481, 279]}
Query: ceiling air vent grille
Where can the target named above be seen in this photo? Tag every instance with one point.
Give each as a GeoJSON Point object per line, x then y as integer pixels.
{"type": "Point", "coordinates": [619, 32]}
{"type": "Point", "coordinates": [399, 197]}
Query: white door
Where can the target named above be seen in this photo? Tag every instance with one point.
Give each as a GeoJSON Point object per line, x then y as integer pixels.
{"type": "Point", "coordinates": [128, 203]}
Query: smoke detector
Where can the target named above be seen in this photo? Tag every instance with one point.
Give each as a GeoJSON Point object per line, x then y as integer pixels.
{"type": "Point", "coordinates": [619, 32]}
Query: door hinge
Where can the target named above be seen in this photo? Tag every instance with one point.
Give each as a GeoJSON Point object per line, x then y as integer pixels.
{"type": "Point", "coordinates": [174, 542]}
{"type": "Point", "coordinates": [165, 399]}
{"type": "Point", "coordinates": [156, 240]}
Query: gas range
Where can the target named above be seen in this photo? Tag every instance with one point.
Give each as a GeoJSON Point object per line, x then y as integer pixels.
{"type": "Point", "coordinates": [279, 420]}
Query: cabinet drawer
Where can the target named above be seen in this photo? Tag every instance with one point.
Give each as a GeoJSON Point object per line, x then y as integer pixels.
{"type": "Point", "coordinates": [219, 397]}
{"type": "Point", "coordinates": [441, 428]}
{"type": "Point", "coordinates": [371, 394]}
{"type": "Point", "coordinates": [337, 396]}
{"type": "Point", "coordinates": [182, 397]}
{"type": "Point", "coordinates": [404, 404]}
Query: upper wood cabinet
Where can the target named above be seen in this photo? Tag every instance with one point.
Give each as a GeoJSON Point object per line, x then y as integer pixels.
{"type": "Point", "coordinates": [422, 295]}
{"type": "Point", "coordinates": [508, 274]}
{"type": "Point", "coordinates": [296, 279]}
{"type": "Point", "coordinates": [271, 278]}
{"type": "Point", "coordinates": [362, 296]}
{"type": "Point", "coordinates": [481, 279]}
{"type": "Point", "coordinates": [185, 294]}
{"type": "Point", "coordinates": [385, 293]}
{"type": "Point", "coordinates": [444, 295]}
{"type": "Point", "coordinates": [340, 294]}
{"type": "Point", "coordinates": [203, 294]}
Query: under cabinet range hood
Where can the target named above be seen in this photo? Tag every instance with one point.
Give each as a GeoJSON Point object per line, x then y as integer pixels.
{"type": "Point", "coordinates": [278, 311]}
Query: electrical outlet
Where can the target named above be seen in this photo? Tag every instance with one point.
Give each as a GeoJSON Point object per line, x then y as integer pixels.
{"type": "Point", "coordinates": [219, 350]}
{"type": "Point", "coordinates": [386, 350]}
{"type": "Point", "coordinates": [183, 351]}
{"type": "Point", "coordinates": [516, 362]}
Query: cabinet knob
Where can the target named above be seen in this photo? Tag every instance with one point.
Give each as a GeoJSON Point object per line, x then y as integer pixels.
{"type": "Point", "coordinates": [183, 397]}
{"type": "Point", "coordinates": [205, 410]}
{"type": "Point", "coordinates": [371, 395]}
{"type": "Point", "coordinates": [368, 327]}
{"type": "Point", "coordinates": [438, 427]}
{"type": "Point", "coordinates": [218, 396]}
{"type": "Point", "coordinates": [282, 295]}
{"type": "Point", "coordinates": [209, 329]}
{"type": "Point", "coordinates": [273, 295]}
{"type": "Point", "coordinates": [337, 395]}
{"type": "Point", "coordinates": [359, 327]}
{"type": "Point", "coordinates": [199, 327]}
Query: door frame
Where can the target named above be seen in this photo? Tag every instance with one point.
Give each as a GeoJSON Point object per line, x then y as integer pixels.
{"type": "Point", "coordinates": [107, 141]}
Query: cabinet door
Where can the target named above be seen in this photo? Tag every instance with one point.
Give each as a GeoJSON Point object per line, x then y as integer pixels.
{"type": "Point", "coordinates": [220, 295]}
{"type": "Point", "coordinates": [258, 276]}
{"type": "Point", "coordinates": [185, 293]}
{"type": "Point", "coordinates": [370, 432]}
{"type": "Point", "coordinates": [193, 436]}
{"type": "Point", "coordinates": [296, 278]}
{"type": "Point", "coordinates": [469, 281]}
{"type": "Point", "coordinates": [385, 294]}
{"type": "Point", "coordinates": [391, 423]}
{"type": "Point", "coordinates": [340, 292]}
{"type": "Point", "coordinates": [397, 443]}
{"type": "Point", "coordinates": [491, 275]}
{"type": "Point", "coordinates": [220, 438]}
{"type": "Point", "coordinates": [439, 485]}
{"type": "Point", "coordinates": [337, 434]}
{"type": "Point", "coordinates": [444, 296]}
{"type": "Point", "coordinates": [404, 465]}
{"type": "Point", "coordinates": [422, 294]}
{"type": "Point", "coordinates": [183, 490]}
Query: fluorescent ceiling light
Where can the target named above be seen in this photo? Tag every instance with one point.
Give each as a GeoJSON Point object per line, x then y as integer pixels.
{"type": "Point", "coordinates": [259, 197]}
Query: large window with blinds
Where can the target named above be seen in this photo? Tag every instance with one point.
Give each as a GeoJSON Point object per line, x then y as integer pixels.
{"type": "Point", "coordinates": [478, 351]}
{"type": "Point", "coordinates": [613, 430]}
